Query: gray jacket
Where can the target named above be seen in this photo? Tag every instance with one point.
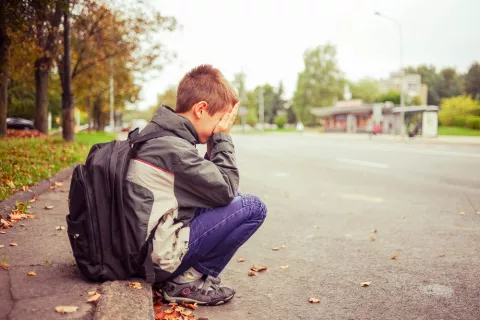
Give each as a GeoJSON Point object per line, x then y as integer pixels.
{"type": "Point", "coordinates": [168, 180]}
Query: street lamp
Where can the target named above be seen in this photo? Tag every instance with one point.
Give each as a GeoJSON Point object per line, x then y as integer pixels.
{"type": "Point", "coordinates": [402, 72]}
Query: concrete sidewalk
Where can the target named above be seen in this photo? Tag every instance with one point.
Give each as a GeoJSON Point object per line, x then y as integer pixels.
{"type": "Point", "coordinates": [47, 252]}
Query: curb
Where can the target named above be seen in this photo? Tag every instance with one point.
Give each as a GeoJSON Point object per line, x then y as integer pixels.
{"type": "Point", "coordinates": [119, 302]}
{"type": "Point", "coordinates": [8, 204]}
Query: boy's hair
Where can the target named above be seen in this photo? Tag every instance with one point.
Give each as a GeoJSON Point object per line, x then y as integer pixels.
{"type": "Point", "coordinates": [205, 83]}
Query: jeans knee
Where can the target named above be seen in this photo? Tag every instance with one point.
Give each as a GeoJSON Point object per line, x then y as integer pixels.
{"type": "Point", "coordinates": [259, 209]}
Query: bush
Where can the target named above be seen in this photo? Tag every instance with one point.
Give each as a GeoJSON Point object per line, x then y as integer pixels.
{"type": "Point", "coordinates": [280, 121]}
{"type": "Point", "coordinates": [473, 122]}
{"type": "Point", "coordinates": [459, 121]}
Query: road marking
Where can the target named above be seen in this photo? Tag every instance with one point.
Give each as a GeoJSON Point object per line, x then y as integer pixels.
{"type": "Point", "coordinates": [362, 197]}
{"type": "Point", "coordinates": [364, 163]}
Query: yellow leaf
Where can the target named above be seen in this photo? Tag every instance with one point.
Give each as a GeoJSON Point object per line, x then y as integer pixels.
{"type": "Point", "coordinates": [32, 273]}
{"type": "Point", "coordinates": [364, 284]}
{"type": "Point", "coordinates": [94, 298]}
{"type": "Point", "coordinates": [284, 267]}
{"type": "Point", "coordinates": [92, 292]}
{"type": "Point", "coordinates": [241, 260]}
{"type": "Point", "coordinates": [394, 256]}
{"type": "Point", "coordinates": [372, 238]}
{"type": "Point", "coordinates": [258, 267]}
{"type": "Point", "coordinates": [48, 207]}
{"type": "Point", "coordinates": [1, 245]}
{"type": "Point", "coordinates": [374, 230]}
{"type": "Point", "coordinates": [251, 273]}
{"type": "Point", "coordinates": [58, 184]}
{"type": "Point", "coordinates": [66, 309]}
{"type": "Point", "coordinates": [59, 228]}
{"type": "Point", "coordinates": [462, 213]}
{"type": "Point", "coordinates": [314, 300]}
{"type": "Point", "coordinates": [135, 285]}
{"type": "Point", "coordinates": [276, 249]}
{"type": "Point", "coordinates": [13, 244]}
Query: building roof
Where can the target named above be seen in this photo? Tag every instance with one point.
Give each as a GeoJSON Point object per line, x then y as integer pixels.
{"type": "Point", "coordinates": [330, 111]}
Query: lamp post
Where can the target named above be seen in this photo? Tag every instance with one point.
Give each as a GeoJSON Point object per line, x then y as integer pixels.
{"type": "Point", "coordinates": [402, 72]}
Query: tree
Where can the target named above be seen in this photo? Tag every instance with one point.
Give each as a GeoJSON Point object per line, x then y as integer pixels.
{"type": "Point", "coordinates": [366, 89]}
{"type": "Point", "coordinates": [451, 83]}
{"type": "Point", "coordinates": [455, 111]}
{"type": "Point", "coordinates": [68, 129]}
{"type": "Point", "coordinates": [278, 101]}
{"type": "Point", "coordinates": [390, 96]}
{"type": "Point", "coordinates": [472, 81]}
{"type": "Point", "coordinates": [432, 79]}
{"type": "Point", "coordinates": [239, 84]}
{"type": "Point", "coordinates": [319, 84]}
{"type": "Point", "coordinates": [48, 15]}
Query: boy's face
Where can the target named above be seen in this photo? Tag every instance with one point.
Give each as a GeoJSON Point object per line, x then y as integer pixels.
{"type": "Point", "coordinates": [206, 123]}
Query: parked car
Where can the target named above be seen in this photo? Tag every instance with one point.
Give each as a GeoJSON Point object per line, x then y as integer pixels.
{"type": "Point", "coordinates": [19, 124]}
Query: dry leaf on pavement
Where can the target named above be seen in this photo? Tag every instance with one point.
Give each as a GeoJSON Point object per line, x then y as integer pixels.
{"type": "Point", "coordinates": [58, 184]}
{"type": "Point", "coordinates": [135, 285]}
{"type": "Point", "coordinates": [374, 230]}
{"type": "Point", "coordinates": [276, 249]}
{"type": "Point", "coordinates": [94, 298]}
{"type": "Point", "coordinates": [462, 213]}
{"type": "Point", "coordinates": [372, 238]}
{"type": "Point", "coordinates": [314, 300]}
{"type": "Point", "coordinates": [241, 260]}
{"type": "Point", "coordinates": [364, 284]}
{"type": "Point", "coordinates": [3, 232]}
{"type": "Point", "coordinates": [92, 292]}
{"type": "Point", "coordinates": [192, 306]}
{"type": "Point", "coordinates": [66, 309]}
{"type": "Point", "coordinates": [59, 228]}
{"type": "Point", "coordinates": [258, 267]}
{"type": "Point", "coordinates": [48, 207]}
{"type": "Point", "coordinates": [32, 273]}
{"type": "Point", "coordinates": [394, 256]}
{"type": "Point", "coordinates": [251, 273]}
{"type": "Point", "coordinates": [1, 245]}
{"type": "Point", "coordinates": [284, 267]}
{"type": "Point", "coordinates": [283, 246]}
{"type": "Point", "coordinates": [13, 244]}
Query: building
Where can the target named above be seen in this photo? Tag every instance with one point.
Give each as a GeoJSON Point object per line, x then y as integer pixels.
{"type": "Point", "coordinates": [412, 86]}
{"type": "Point", "coordinates": [354, 116]}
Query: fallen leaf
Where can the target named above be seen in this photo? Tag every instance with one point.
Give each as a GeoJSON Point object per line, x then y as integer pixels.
{"type": "Point", "coordinates": [372, 238]}
{"type": "Point", "coordinates": [135, 285]}
{"type": "Point", "coordinates": [241, 260]}
{"type": "Point", "coordinates": [66, 309]}
{"type": "Point", "coordinates": [4, 267]}
{"type": "Point", "coordinates": [158, 305]}
{"type": "Point", "coordinates": [314, 300]}
{"type": "Point", "coordinates": [284, 267]}
{"type": "Point", "coordinates": [160, 315]}
{"type": "Point", "coordinates": [258, 267]}
{"type": "Point", "coordinates": [94, 298]}
{"type": "Point", "coordinates": [3, 232]}
{"type": "Point", "coordinates": [203, 318]}
{"type": "Point", "coordinates": [59, 228]}
{"type": "Point", "coordinates": [192, 306]}
{"type": "Point", "coordinates": [283, 246]}
{"type": "Point", "coordinates": [1, 245]}
{"type": "Point", "coordinates": [92, 292]}
{"type": "Point", "coordinates": [32, 273]}
{"type": "Point", "coordinates": [394, 256]}
{"type": "Point", "coordinates": [48, 207]}
{"type": "Point", "coordinates": [22, 225]}
{"type": "Point", "coordinates": [364, 284]}
{"type": "Point", "coordinates": [315, 227]}
{"type": "Point", "coordinates": [13, 244]}
{"type": "Point", "coordinates": [58, 184]}
{"type": "Point", "coordinates": [462, 213]}
{"type": "Point", "coordinates": [478, 212]}
{"type": "Point", "coordinates": [25, 188]}
{"type": "Point", "coordinates": [374, 230]}
{"type": "Point", "coordinates": [251, 273]}
{"type": "Point", "coordinates": [276, 249]}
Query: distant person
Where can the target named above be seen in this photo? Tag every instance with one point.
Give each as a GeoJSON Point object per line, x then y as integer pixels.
{"type": "Point", "coordinates": [203, 219]}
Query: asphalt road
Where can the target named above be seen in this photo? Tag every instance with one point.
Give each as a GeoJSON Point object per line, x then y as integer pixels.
{"type": "Point", "coordinates": [325, 195]}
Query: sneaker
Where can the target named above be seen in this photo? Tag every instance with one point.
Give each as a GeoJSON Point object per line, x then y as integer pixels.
{"type": "Point", "coordinates": [215, 280]}
{"type": "Point", "coordinates": [201, 291]}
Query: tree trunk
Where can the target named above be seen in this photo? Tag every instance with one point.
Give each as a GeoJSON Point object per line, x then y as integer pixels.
{"type": "Point", "coordinates": [42, 70]}
{"type": "Point", "coordinates": [4, 45]}
{"type": "Point", "coordinates": [68, 127]}
{"type": "Point", "coordinates": [89, 112]}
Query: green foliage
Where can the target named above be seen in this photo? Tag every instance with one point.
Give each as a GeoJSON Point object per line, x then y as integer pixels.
{"type": "Point", "coordinates": [392, 96]}
{"type": "Point", "coordinates": [319, 84]}
{"type": "Point", "coordinates": [472, 81]}
{"type": "Point", "coordinates": [454, 111]}
{"type": "Point", "coordinates": [280, 121]}
{"type": "Point", "coordinates": [455, 131]}
{"type": "Point", "coordinates": [366, 89]}
{"type": "Point", "coordinates": [472, 122]}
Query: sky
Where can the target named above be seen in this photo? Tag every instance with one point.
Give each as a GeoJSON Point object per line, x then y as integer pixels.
{"type": "Point", "coordinates": [266, 39]}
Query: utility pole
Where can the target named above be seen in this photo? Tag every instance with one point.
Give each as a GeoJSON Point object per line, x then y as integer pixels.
{"type": "Point", "coordinates": [261, 109]}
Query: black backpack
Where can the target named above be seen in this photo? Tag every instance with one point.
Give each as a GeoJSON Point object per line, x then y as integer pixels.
{"type": "Point", "coordinates": [104, 240]}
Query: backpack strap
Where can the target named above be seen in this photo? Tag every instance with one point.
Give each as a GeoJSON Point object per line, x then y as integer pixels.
{"type": "Point", "coordinates": [135, 138]}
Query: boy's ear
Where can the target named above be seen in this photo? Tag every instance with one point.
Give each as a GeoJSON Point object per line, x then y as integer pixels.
{"type": "Point", "coordinates": [199, 109]}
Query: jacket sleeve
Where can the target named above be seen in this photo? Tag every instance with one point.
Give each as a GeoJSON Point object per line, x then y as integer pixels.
{"type": "Point", "coordinates": [207, 183]}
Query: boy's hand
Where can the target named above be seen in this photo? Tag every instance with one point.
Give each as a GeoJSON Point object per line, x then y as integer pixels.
{"type": "Point", "coordinates": [227, 121]}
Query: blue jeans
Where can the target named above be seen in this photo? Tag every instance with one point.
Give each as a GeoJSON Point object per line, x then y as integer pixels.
{"type": "Point", "coordinates": [216, 234]}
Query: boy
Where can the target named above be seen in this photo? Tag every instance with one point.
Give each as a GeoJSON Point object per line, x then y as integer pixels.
{"type": "Point", "coordinates": [203, 219]}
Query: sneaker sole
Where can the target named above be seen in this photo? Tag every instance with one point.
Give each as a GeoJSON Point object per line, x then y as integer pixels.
{"type": "Point", "coordinates": [201, 303]}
